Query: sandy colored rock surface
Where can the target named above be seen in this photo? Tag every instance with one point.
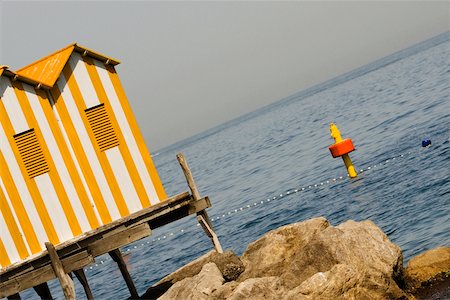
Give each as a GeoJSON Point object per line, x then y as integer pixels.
{"type": "Point", "coordinates": [199, 287]}
{"type": "Point", "coordinates": [425, 266]}
{"type": "Point", "coordinates": [298, 252]}
{"type": "Point", "coordinates": [228, 263]}
{"type": "Point", "coordinates": [259, 289]}
{"type": "Point", "coordinates": [274, 253]}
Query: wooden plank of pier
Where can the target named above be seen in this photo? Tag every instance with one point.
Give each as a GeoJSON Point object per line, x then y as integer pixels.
{"type": "Point", "coordinates": [43, 274]}
{"type": "Point", "coordinates": [81, 251]}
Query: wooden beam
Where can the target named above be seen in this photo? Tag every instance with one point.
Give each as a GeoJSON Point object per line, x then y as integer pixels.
{"type": "Point", "coordinates": [176, 208]}
{"type": "Point", "coordinates": [76, 253]}
{"type": "Point", "coordinates": [39, 271]}
{"type": "Point", "coordinates": [64, 279]}
{"type": "Point", "coordinates": [202, 216]}
{"type": "Point", "coordinates": [83, 280]}
{"type": "Point", "coordinates": [123, 237]}
{"type": "Point", "coordinates": [78, 243]}
{"type": "Point", "coordinates": [43, 274]}
{"type": "Point", "coordinates": [212, 235]}
{"type": "Point", "coordinates": [180, 212]}
{"type": "Point", "coordinates": [116, 255]}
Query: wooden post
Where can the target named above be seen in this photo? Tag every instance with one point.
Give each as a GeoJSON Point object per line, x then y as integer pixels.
{"type": "Point", "coordinates": [210, 232]}
{"type": "Point", "coordinates": [83, 280]}
{"type": "Point", "coordinates": [64, 279]}
{"type": "Point", "coordinates": [116, 255]}
{"type": "Point", "coordinates": [202, 216]}
{"type": "Point", "coordinates": [43, 291]}
{"type": "Point", "coordinates": [188, 174]}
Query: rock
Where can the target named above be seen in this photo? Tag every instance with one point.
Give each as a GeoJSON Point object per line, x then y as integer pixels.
{"type": "Point", "coordinates": [199, 287]}
{"type": "Point", "coordinates": [341, 282]}
{"type": "Point", "coordinates": [272, 254]}
{"type": "Point", "coordinates": [298, 251]}
{"type": "Point", "coordinates": [225, 291]}
{"type": "Point", "coordinates": [367, 249]}
{"type": "Point", "coordinates": [228, 263]}
{"type": "Point", "coordinates": [259, 288]}
{"type": "Point", "coordinates": [426, 266]}
{"type": "Point", "coordinates": [436, 288]}
{"type": "Point", "coordinates": [327, 285]}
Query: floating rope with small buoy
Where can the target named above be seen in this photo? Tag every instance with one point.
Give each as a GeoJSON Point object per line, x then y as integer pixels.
{"type": "Point", "coordinates": [340, 148]}
{"type": "Point", "coordinates": [234, 212]}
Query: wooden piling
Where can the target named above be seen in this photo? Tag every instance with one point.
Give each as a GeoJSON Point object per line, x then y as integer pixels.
{"type": "Point", "coordinates": [64, 279]}
{"type": "Point", "coordinates": [116, 255]}
{"type": "Point", "coordinates": [202, 216]}
{"type": "Point", "coordinates": [43, 291]}
{"type": "Point", "coordinates": [188, 174]}
{"type": "Point", "coordinates": [83, 280]}
{"type": "Point", "coordinates": [16, 296]}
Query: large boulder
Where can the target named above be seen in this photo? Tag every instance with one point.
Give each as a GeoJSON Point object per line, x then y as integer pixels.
{"type": "Point", "coordinates": [299, 251]}
{"type": "Point", "coordinates": [423, 269]}
{"type": "Point", "coordinates": [273, 253]}
{"type": "Point", "coordinates": [199, 287]}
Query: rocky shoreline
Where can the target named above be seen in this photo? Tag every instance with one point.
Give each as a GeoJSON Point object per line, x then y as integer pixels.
{"type": "Point", "coordinates": [312, 260]}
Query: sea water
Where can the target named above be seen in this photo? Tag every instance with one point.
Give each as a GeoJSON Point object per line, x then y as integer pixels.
{"type": "Point", "coordinates": [272, 167]}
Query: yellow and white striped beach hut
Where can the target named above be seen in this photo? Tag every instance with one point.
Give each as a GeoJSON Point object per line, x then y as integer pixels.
{"type": "Point", "coordinates": [72, 157]}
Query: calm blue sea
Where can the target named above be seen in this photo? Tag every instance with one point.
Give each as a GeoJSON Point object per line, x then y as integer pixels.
{"type": "Point", "coordinates": [387, 108]}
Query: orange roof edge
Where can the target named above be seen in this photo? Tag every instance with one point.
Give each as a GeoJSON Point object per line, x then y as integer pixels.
{"type": "Point", "coordinates": [4, 71]}
{"type": "Point", "coordinates": [96, 55]}
{"type": "Point", "coordinates": [45, 58]}
{"type": "Point", "coordinates": [2, 68]}
{"type": "Point", "coordinates": [48, 69]}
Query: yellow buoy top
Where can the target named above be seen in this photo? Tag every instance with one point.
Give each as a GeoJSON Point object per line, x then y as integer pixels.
{"type": "Point", "coordinates": [335, 133]}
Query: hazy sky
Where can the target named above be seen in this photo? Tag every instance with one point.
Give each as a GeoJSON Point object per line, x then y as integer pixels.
{"type": "Point", "coordinates": [188, 66]}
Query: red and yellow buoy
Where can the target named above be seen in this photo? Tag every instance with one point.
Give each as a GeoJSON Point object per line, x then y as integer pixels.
{"type": "Point", "coordinates": [342, 148]}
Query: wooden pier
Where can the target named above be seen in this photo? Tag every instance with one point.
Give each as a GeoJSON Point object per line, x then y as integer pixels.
{"type": "Point", "coordinates": [71, 257]}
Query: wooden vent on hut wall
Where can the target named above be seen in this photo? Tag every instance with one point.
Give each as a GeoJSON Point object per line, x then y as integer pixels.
{"type": "Point", "coordinates": [31, 153]}
{"type": "Point", "coordinates": [101, 127]}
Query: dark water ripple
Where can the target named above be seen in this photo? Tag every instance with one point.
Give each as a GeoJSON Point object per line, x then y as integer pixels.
{"type": "Point", "coordinates": [387, 112]}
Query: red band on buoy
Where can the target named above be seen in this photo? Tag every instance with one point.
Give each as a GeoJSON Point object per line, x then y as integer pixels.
{"type": "Point", "coordinates": [341, 148]}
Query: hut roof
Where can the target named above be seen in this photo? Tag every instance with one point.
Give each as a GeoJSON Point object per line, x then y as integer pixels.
{"type": "Point", "coordinates": [48, 69]}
